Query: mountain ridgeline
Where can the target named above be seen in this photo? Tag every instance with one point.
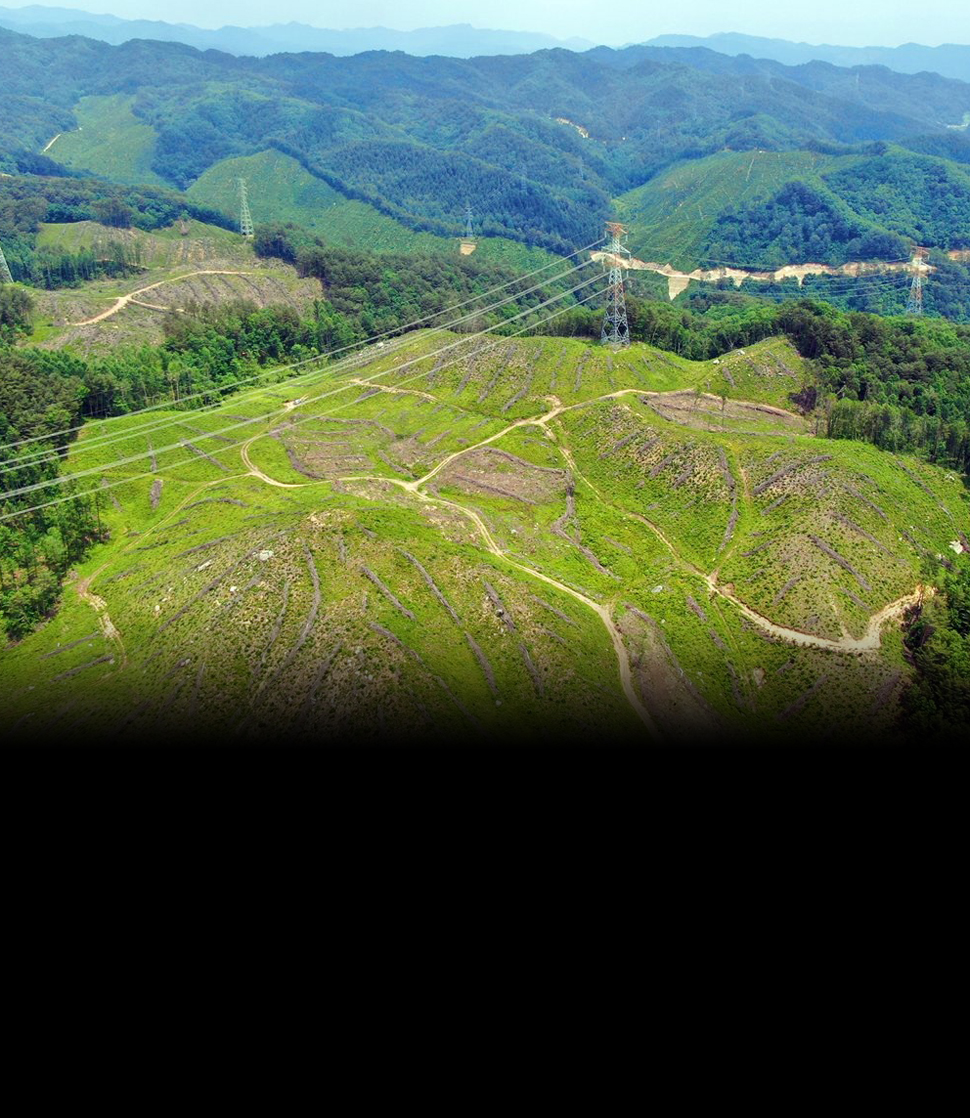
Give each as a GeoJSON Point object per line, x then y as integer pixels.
{"type": "Point", "coordinates": [538, 144]}
{"type": "Point", "coordinates": [951, 60]}
{"type": "Point", "coordinates": [454, 41]}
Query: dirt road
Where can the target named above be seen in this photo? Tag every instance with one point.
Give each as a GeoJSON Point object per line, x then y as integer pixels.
{"type": "Point", "coordinates": [258, 473]}
{"type": "Point", "coordinates": [124, 300]}
{"type": "Point", "coordinates": [100, 607]}
{"type": "Point", "coordinates": [871, 642]}
{"type": "Point", "coordinates": [678, 282]}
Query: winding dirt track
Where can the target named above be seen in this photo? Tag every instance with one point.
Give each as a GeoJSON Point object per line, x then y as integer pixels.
{"type": "Point", "coordinates": [679, 281]}
{"type": "Point", "coordinates": [626, 675]}
{"type": "Point", "coordinates": [258, 473]}
{"type": "Point", "coordinates": [100, 607]}
{"type": "Point", "coordinates": [871, 642]}
{"type": "Point", "coordinates": [124, 300]}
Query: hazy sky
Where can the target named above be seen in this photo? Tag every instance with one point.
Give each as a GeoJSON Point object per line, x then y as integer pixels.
{"type": "Point", "coordinates": [849, 22]}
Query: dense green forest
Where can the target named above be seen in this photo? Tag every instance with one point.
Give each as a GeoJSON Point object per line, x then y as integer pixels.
{"type": "Point", "coordinates": [799, 224]}
{"type": "Point", "coordinates": [920, 198]}
{"type": "Point", "coordinates": [937, 706]}
{"type": "Point", "coordinates": [41, 395]}
{"type": "Point", "coordinates": [536, 144]}
{"type": "Point", "coordinates": [16, 307]}
{"type": "Point", "coordinates": [874, 209]}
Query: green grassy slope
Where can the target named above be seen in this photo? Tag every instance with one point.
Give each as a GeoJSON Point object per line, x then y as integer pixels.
{"type": "Point", "coordinates": [280, 190]}
{"type": "Point", "coordinates": [431, 543]}
{"type": "Point", "coordinates": [110, 141]}
{"type": "Point", "coordinates": [671, 217]}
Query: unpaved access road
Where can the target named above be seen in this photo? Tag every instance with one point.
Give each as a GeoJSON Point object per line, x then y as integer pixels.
{"type": "Point", "coordinates": [124, 300]}
{"type": "Point", "coordinates": [100, 607]}
{"type": "Point", "coordinates": [871, 642]}
{"type": "Point", "coordinates": [258, 473]}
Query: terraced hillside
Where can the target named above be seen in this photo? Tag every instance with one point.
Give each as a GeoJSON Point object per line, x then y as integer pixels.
{"type": "Point", "coordinates": [489, 539]}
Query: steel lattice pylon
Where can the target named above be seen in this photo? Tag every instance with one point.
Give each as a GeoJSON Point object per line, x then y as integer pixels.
{"type": "Point", "coordinates": [469, 232]}
{"type": "Point", "coordinates": [915, 304]}
{"type": "Point", "coordinates": [616, 328]}
{"type": "Point", "coordinates": [5, 276]}
{"type": "Point", "coordinates": [245, 217]}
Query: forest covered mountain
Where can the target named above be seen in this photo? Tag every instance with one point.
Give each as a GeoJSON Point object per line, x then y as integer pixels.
{"type": "Point", "coordinates": [538, 145]}
{"type": "Point", "coordinates": [952, 60]}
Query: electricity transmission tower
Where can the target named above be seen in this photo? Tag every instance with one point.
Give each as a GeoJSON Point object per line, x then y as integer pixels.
{"type": "Point", "coordinates": [468, 244]}
{"type": "Point", "coordinates": [245, 217]}
{"type": "Point", "coordinates": [5, 276]}
{"type": "Point", "coordinates": [616, 329]}
{"type": "Point", "coordinates": [915, 304]}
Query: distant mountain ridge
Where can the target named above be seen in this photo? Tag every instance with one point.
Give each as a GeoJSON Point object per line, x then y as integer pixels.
{"type": "Point", "coordinates": [456, 41]}
{"type": "Point", "coordinates": [951, 60]}
{"type": "Point", "coordinates": [539, 145]}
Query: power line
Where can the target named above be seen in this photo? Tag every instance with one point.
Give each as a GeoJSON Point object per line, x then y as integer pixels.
{"type": "Point", "coordinates": [914, 305]}
{"type": "Point", "coordinates": [96, 442]}
{"type": "Point", "coordinates": [821, 294]}
{"type": "Point", "coordinates": [309, 418]}
{"type": "Point", "coordinates": [812, 284]}
{"type": "Point", "coordinates": [595, 295]}
{"type": "Point", "coordinates": [68, 478]}
{"type": "Point", "coordinates": [245, 217]}
{"type": "Point", "coordinates": [131, 460]}
{"type": "Point", "coordinates": [616, 328]}
{"type": "Point", "coordinates": [355, 346]}
{"type": "Point", "coordinates": [178, 419]}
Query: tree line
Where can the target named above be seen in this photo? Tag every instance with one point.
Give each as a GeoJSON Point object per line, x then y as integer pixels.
{"type": "Point", "coordinates": [937, 705]}
{"type": "Point", "coordinates": [40, 396]}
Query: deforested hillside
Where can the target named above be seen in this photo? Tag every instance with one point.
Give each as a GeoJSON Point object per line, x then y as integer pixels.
{"type": "Point", "coordinates": [117, 287]}
{"type": "Point", "coordinates": [490, 540]}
